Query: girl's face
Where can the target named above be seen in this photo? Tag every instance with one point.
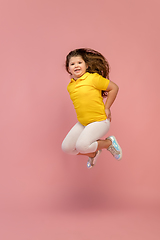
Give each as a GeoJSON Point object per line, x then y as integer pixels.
{"type": "Point", "coordinates": [77, 67]}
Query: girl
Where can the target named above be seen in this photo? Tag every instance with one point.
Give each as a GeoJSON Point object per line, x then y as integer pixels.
{"type": "Point", "coordinates": [90, 82]}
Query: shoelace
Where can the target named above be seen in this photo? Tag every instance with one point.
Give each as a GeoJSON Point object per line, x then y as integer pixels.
{"type": "Point", "coordinates": [113, 151]}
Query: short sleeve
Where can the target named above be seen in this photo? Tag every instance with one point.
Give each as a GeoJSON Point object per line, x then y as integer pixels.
{"type": "Point", "coordinates": [69, 87]}
{"type": "Point", "coordinates": [100, 82]}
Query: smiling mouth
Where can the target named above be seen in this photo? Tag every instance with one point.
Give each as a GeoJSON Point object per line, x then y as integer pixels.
{"type": "Point", "coordinates": [77, 70]}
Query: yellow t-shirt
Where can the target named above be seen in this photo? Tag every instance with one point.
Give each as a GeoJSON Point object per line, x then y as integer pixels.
{"type": "Point", "coordinates": [86, 95]}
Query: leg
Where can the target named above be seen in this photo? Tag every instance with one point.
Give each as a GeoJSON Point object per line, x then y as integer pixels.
{"type": "Point", "coordinates": [87, 141]}
{"type": "Point", "coordinates": [69, 143]}
{"type": "Point", "coordinates": [103, 144]}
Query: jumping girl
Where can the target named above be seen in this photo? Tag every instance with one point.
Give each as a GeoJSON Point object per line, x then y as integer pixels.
{"type": "Point", "coordinates": [89, 84]}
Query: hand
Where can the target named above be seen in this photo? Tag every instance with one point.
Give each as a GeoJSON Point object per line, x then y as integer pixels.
{"type": "Point", "coordinates": [108, 113]}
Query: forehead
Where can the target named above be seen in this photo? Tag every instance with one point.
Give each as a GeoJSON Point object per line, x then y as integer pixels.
{"type": "Point", "coordinates": [76, 59]}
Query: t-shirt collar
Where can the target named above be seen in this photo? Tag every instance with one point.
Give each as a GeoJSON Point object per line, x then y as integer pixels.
{"type": "Point", "coordinates": [84, 76]}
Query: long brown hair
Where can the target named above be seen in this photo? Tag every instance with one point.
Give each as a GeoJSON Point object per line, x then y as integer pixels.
{"type": "Point", "coordinates": [95, 61]}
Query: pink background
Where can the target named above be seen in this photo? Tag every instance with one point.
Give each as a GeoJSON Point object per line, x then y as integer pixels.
{"type": "Point", "coordinates": [45, 194]}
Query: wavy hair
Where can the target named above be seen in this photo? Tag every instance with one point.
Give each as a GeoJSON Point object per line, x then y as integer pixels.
{"type": "Point", "coordinates": [95, 61]}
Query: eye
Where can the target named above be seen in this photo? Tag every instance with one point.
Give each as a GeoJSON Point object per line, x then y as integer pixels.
{"type": "Point", "coordinates": [72, 64]}
{"type": "Point", "coordinates": [80, 62]}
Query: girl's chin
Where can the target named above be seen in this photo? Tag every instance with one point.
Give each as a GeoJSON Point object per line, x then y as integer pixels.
{"type": "Point", "coordinates": [76, 76]}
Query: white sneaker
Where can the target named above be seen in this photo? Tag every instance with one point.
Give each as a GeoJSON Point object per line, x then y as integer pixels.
{"type": "Point", "coordinates": [114, 148]}
{"type": "Point", "coordinates": [91, 161]}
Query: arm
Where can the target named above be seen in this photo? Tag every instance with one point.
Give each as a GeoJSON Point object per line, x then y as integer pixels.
{"type": "Point", "coordinates": [112, 90]}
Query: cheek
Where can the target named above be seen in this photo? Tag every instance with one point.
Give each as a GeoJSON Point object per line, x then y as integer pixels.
{"type": "Point", "coordinates": [69, 69]}
{"type": "Point", "coordinates": [85, 67]}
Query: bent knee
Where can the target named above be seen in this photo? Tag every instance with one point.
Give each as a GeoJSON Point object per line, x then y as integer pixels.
{"type": "Point", "coordinates": [67, 148]}
{"type": "Point", "coordinates": [82, 147]}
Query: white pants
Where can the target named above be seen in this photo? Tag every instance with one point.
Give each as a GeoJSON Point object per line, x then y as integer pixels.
{"type": "Point", "coordinates": [83, 139]}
